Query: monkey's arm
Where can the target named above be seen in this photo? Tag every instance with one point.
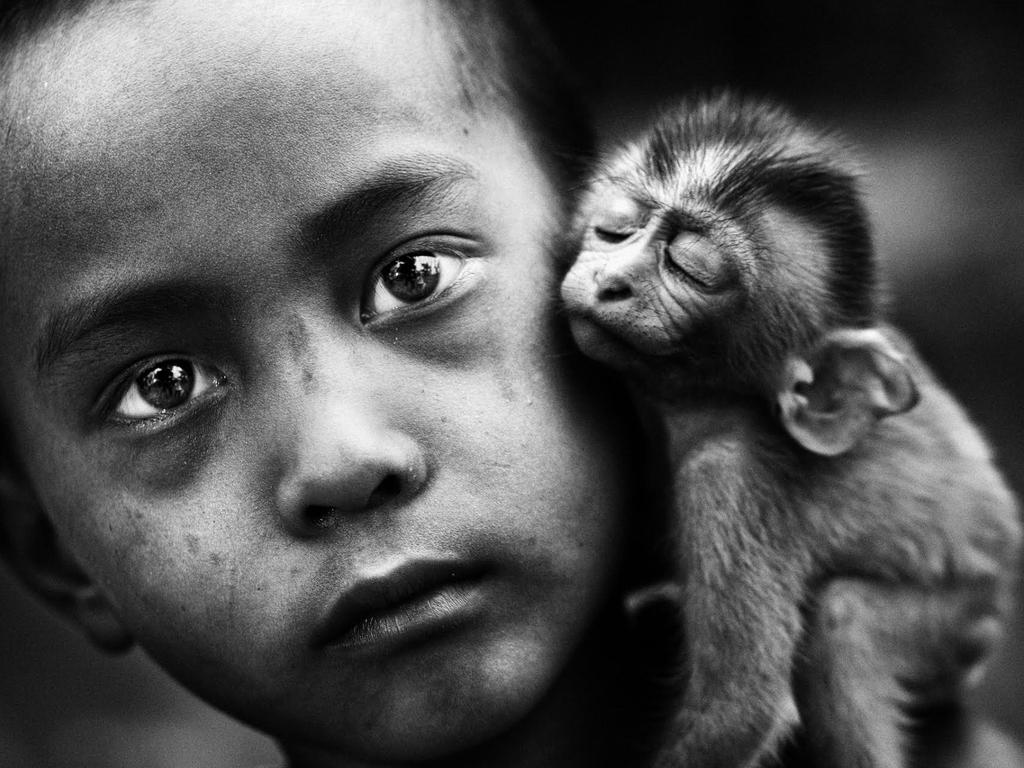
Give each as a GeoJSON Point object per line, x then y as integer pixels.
{"type": "Point", "coordinates": [743, 588]}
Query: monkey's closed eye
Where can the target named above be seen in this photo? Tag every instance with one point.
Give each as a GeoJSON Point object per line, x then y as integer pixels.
{"type": "Point", "coordinates": [698, 260]}
{"type": "Point", "coordinates": [615, 218]}
{"type": "Point", "coordinates": [616, 235]}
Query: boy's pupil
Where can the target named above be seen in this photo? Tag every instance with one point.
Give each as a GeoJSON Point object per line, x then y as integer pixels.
{"type": "Point", "coordinates": [413, 277]}
{"type": "Point", "coordinates": [167, 385]}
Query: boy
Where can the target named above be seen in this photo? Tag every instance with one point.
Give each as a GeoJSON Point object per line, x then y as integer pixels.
{"type": "Point", "coordinates": [289, 388]}
{"type": "Point", "coordinates": [285, 398]}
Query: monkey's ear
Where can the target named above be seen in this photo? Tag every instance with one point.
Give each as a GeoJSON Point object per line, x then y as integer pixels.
{"type": "Point", "coordinates": [856, 377]}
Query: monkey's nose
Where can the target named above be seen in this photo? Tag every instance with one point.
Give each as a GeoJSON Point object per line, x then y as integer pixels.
{"type": "Point", "coordinates": [613, 287]}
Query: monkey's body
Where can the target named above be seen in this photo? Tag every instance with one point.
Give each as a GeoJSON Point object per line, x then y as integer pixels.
{"type": "Point", "coordinates": [828, 556]}
{"type": "Point", "coordinates": [763, 525]}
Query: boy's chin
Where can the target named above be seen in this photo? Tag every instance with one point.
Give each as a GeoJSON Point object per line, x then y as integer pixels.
{"type": "Point", "coordinates": [434, 714]}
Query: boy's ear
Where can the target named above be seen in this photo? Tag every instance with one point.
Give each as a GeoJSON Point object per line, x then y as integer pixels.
{"type": "Point", "coordinates": [856, 377]}
{"type": "Point", "coordinates": [32, 547]}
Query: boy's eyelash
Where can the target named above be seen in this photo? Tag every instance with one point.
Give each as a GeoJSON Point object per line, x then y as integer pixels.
{"type": "Point", "coordinates": [454, 243]}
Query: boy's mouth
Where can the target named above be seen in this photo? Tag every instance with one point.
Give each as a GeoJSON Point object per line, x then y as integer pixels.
{"type": "Point", "coordinates": [411, 602]}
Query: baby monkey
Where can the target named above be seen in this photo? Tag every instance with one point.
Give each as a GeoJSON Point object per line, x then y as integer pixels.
{"type": "Point", "coordinates": [846, 544]}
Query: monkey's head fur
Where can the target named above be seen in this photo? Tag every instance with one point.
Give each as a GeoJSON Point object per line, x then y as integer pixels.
{"type": "Point", "coordinates": [724, 239]}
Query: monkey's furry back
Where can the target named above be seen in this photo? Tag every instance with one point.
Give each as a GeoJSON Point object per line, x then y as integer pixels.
{"type": "Point", "coordinates": [853, 576]}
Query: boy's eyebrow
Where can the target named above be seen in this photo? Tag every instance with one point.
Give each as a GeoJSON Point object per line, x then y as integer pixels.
{"type": "Point", "coordinates": [394, 185]}
{"type": "Point", "coordinates": [79, 319]}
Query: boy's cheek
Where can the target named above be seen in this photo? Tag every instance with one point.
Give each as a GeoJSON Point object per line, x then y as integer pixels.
{"type": "Point", "coordinates": [172, 509]}
{"type": "Point", "coordinates": [200, 574]}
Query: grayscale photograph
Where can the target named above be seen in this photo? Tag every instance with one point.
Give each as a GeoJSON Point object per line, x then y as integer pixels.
{"type": "Point", "coordinates": [511, 383]}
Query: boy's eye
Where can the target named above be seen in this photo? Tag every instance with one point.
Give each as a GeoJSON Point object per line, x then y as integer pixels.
{"type": "Point", "coordinates": [411, 278]}
{"type": "Point", "coordinates": [162, 387]}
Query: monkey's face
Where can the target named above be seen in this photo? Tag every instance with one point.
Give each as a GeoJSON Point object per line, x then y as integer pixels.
{"type": "Point", "coordinates": [649, 280]}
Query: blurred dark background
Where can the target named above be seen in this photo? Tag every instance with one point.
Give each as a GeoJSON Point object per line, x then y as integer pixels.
{"type": "Point", "coordinates": [934, 95]}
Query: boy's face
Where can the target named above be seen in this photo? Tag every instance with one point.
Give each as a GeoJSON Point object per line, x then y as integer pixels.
{"type": "Point", "coordinates": [281, 366]}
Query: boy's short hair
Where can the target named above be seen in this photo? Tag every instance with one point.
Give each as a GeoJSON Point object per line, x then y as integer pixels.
{"type": "Point", "coordinates": [503, 52]}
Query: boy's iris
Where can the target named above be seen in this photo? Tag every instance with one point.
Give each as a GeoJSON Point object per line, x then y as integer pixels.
{"type": "Point", "coordinates": [167, 385]}
{"type": "Point", "coordinates": [413, 277]}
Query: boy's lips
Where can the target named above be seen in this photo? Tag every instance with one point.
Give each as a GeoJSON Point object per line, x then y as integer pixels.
{"type": "Point", "coordinates": [412, 600]}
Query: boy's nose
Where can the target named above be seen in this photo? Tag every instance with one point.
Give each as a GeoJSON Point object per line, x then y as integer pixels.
{"type": "Point", "coordinates": [344, 465]}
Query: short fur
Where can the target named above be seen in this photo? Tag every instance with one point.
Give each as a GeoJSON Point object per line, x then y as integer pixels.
{"type": "Point", "coordinates": [727, 269]}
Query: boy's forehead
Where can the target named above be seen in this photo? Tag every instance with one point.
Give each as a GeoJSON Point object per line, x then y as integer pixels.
{"type": "Point", "coordinates": [154, 129]}
{"type": "Point", "coordinates": [123, 72]}
{"type": "Point", "coordinates": [136, 107]}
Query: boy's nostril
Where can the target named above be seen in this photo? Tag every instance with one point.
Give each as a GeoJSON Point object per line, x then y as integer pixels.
{"type": "Point", "coordinates": [388, 488]}
{"type": "Point", "coordinates": [317, 517]}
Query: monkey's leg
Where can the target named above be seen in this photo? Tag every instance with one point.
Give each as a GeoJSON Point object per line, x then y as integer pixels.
{"type": "Point", "coordinates": [874, 651]}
